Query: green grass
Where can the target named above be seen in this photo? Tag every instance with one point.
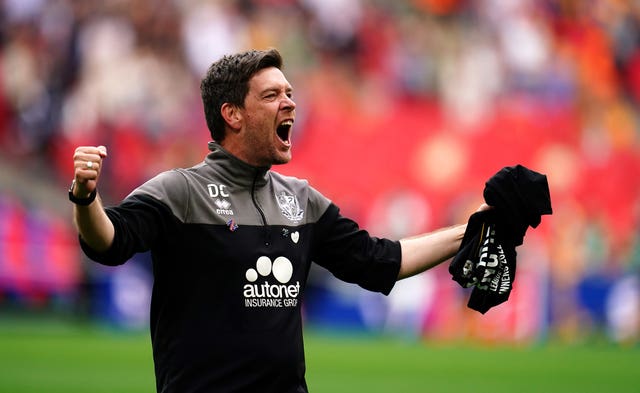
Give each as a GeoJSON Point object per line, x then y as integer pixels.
{"type": "Point", "coordinates": [60, 357]}
{"type": "Point", "coordinates": [52, 358]}
{"type": "Point", "coordinates": [388, 365]}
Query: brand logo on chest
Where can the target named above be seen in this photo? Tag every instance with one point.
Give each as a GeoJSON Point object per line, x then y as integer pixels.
{"type": "Point", "coordinates": [262, 291]}
{"type": "Point", "coordinates": [220, 192]}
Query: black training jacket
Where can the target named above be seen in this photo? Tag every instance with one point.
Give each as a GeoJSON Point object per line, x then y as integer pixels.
{"type": "Point", "coordinates": [231, 246]}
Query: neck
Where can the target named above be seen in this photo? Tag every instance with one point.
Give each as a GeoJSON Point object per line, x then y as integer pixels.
{"type": "Point", "coordinates": [237, 149]}
{"type": "Point", "coordinates": [237, 153]}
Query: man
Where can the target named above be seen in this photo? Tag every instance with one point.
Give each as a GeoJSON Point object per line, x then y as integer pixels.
{"type": "Point", "coordinates": [232, 241]}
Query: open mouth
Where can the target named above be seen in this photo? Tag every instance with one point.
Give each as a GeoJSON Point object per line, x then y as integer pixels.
{"type": "Point", "coordinates": [284, 131]}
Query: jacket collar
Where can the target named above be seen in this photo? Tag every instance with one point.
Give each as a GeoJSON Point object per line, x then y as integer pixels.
{"type": "Point", "coordinates": [234, 169]}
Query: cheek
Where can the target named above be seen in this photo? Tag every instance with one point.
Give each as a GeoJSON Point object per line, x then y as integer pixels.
{"type": "Point", "coordinates": [255, 118]}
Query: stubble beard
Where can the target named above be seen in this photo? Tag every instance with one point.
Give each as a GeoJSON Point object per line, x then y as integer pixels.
{"type": "Point", "coordinates": [266, 153]}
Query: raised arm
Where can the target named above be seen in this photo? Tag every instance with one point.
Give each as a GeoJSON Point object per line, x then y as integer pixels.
{"type": "Point", "coordinates": [422, 252]}
{"type": "Point", "coordinates": [89, 217]}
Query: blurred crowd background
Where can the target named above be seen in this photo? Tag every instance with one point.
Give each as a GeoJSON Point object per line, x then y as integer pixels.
{"type": "Point", "coordinates": [405, 109]}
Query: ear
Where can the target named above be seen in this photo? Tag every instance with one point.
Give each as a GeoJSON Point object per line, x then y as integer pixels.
{"type": "Point", "coordinates": [232, 116]}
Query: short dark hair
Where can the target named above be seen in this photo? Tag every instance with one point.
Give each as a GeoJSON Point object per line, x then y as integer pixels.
{"type": "Point", "coordinates": [227, 81]}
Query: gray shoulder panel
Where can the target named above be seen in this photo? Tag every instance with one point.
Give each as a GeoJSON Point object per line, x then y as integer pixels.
{"type": "Point", "coordinates": [170, 188]}
{"type": "Point", "coordinates": [200, 195]}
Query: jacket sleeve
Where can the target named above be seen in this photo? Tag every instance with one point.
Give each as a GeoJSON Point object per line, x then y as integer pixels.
{"type": "Point", "coordinates": [352, 255]}
{"type": "Point", "coordinates": [142, 219]}
{"type": "Point", "coordinates": [138, 222]}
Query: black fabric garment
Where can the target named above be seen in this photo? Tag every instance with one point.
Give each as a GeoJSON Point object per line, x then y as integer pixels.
{"type": "Point", "coordinates": [232, 246]}
{"type": "Point", "coordinates": [486, 259]}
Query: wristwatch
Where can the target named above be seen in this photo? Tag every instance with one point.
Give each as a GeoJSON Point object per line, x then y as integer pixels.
{"type": "Point", "coordinates": [81, 201]}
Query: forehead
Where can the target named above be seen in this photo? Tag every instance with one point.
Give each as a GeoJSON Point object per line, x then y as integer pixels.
{"type": "Point", "coordinates": [268, 78]}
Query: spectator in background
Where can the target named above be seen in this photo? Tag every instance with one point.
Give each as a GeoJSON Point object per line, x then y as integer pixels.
{"type": "Point", "coordinates": [576, 63]}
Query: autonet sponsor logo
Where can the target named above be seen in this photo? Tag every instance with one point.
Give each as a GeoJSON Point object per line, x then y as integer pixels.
{"type": "Point", "coordinates": [266, 294]}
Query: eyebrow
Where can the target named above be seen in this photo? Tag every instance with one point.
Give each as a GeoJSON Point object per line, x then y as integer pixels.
{"type": "Point", "coordinates": [287, 89]}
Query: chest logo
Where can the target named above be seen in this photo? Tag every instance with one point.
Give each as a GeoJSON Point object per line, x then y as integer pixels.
{"type": "Point", "coordinates": [261, 290]}
{"type": "Point", "coordinates": [289, 207]}
{"type": "Point", "coordinates": [222, 203]}
{"type": "Point", "coordinates": [220, 192]}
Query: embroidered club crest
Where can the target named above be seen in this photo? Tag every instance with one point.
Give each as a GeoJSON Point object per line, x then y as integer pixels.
{"type": "Point", "coordinates": [289, 207]}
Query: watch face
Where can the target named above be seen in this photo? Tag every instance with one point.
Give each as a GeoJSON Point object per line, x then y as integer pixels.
{"type": "Point", "coordinates": [73, 183]}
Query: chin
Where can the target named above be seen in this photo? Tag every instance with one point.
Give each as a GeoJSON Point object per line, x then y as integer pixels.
{"type": "Point", "coordinates": [281, 159]}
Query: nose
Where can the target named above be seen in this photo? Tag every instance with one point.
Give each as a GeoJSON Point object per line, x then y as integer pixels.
{"type": "Point", "coordinates": [288, 103]}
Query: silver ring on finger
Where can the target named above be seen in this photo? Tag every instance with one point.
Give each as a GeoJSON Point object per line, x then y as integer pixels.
{"type": "Point", "coordinates": [89, 164]}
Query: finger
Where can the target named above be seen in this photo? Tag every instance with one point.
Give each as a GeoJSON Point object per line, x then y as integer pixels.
{"type": "Point", "coordinates": [85, 169]}
{"type": "Point", "coordinates": [102, 151]}
{"type": "Point", "coordinates": [97, 150]}
{"type": "Point", "coordinates": [89, 157]}
{"type": "Point", "coordinates": [88, 162]}
{"type": "Point", "coordinates": [90, 153]}
{"type": "Point", "coordinates": [89, 165]}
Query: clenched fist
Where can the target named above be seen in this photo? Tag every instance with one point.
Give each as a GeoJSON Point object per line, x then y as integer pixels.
{"type": "Point", "coordinates": [87, 163]}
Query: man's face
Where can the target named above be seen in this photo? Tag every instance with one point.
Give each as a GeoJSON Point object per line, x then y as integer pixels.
{"type": "Point", "coordinates": [268, 114]}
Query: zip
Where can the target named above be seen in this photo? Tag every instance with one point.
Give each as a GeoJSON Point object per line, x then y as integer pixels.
{"type": "Point", "coordinates": [262, 216]}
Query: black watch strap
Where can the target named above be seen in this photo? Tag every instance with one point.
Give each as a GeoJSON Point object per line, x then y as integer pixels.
{"type": "Point", "coordinates": [81, 201]}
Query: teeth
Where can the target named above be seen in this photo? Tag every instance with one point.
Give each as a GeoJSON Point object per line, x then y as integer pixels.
{"type": "Point", "coordinates": [287, 123]}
